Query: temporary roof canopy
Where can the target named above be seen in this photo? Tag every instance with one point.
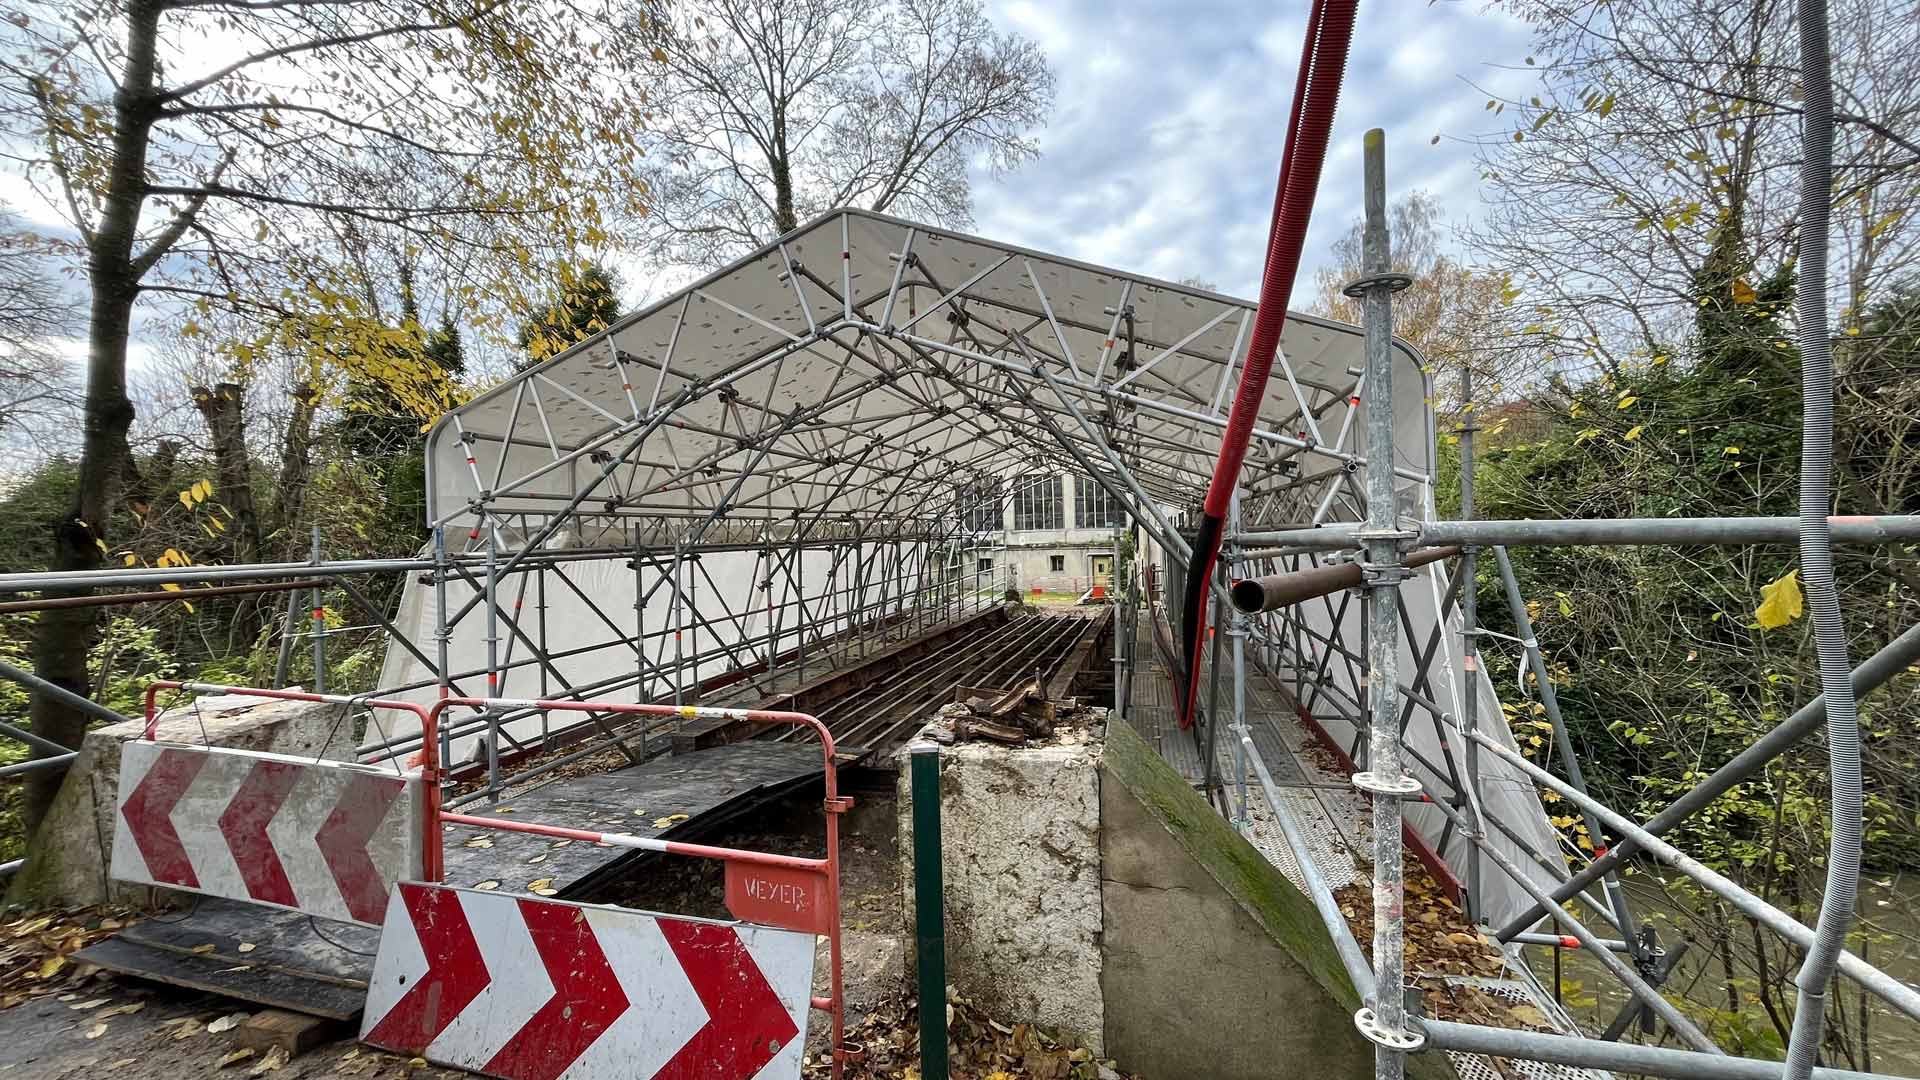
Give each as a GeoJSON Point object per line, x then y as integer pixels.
{"type": "Point", "coordinates": [868, 379]}
{"type": "Point", "coordinates": [866, 368]}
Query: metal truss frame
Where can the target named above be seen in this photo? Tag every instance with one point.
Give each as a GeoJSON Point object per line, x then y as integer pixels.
{"type": "Point", "coordinates": [819, 397]}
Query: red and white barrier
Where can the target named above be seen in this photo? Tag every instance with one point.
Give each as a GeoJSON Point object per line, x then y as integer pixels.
{"type": "Point", "coordinates": [784, 892]}
{"type": "Point", "coordinates": [531, 989]}
{"type": "Point", "coordinates": [326, 838]}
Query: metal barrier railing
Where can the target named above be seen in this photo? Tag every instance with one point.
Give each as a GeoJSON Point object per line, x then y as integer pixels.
{"type": "Point", "coordinates": [822, 872]}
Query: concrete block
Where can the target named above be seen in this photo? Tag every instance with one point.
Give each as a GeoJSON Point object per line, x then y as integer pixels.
{"type": "Point", "coordinates": [1091, 890]}
{"type": "Point", "coordinates": [66, 863]}
{"type": "Point", "coordinates": [1020, 833]}
{"type": "Point", "coordinates": [1213, 963]}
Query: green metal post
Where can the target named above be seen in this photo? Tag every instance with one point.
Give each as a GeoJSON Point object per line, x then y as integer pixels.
{"type": "Point", "coordinates": [929, 915]}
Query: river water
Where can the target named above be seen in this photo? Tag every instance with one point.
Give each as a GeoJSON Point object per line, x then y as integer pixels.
{"type": "Point", "coordinates": [1889, 911]}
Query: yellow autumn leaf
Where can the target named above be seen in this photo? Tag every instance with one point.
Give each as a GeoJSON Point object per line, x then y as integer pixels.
{"type": "Point", "coordinates": [186, 499]}
{"type": "Point", "coordinates": [1634, 432]}
{"type": "Point", "coordinates": [1731, 451]}
{"type": "Point", "coordinates": [1627, 401]}
{"type": "Point", "coordinates": [1743, 293]}
{"type": "Point", "coordinates": [1780, 602]}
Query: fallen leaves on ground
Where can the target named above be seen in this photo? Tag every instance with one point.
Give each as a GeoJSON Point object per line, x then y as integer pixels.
{"type": "Point", "coordinates": [979, 1047]}
{"type": "Point", "coordinates": [36, 951]}
{"type": "Point", "coordinates": [1440, 942]}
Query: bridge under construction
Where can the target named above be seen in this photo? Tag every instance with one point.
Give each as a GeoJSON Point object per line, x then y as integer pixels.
{"type": "Point", "coordinates": [706, 559]}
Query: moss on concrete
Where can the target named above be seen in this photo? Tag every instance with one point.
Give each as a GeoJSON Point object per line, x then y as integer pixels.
{"type": "Point", "coordinates": [1287, 915]}
{"type": "Point", "coordinates": [1246, 874]}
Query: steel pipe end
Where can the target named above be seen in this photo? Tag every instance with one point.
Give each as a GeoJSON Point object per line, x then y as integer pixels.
{"type": "Point", "coordinates": [1249, 596]}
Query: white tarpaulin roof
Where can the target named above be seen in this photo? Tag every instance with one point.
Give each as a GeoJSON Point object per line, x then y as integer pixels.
{"type": "Point", "coordinates": [866, 376]}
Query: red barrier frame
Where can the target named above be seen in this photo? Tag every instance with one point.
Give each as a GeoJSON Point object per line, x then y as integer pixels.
{"type": "Point", "coordinates": [432, 771]}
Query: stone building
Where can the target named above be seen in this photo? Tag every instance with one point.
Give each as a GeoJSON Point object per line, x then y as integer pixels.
{"type": "Point", "coordinates": [1046, 530]}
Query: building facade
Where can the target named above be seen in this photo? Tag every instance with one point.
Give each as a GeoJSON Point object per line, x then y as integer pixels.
{"type": "Point", "coordinates": [1051, 532]}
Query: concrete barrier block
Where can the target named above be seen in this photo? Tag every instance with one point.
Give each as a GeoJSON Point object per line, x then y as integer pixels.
{"type": "Point", "coordinates": [1021, 833]}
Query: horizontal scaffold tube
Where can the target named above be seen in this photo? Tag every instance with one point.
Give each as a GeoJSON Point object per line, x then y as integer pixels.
{"type": "Point", "coordinates": [1873, 673]}
{"type": "Point", "coordinates": [1623, 1057]}
{"type": "Point", "coordinates": [1275, 591]}
{"type": "Point", "coordinates": [1527, 532]}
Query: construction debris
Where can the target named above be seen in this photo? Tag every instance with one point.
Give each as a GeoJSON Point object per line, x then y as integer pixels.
{"type": "Point", "coordinates": [1021, 716]}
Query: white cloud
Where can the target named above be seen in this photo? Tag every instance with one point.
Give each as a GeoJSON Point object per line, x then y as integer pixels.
{"type": "Point", "coordinates": [1165, 143]}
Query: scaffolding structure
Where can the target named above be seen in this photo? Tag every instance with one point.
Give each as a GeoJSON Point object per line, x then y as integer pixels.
{"type": "Point", "coordinates": [780, 466]}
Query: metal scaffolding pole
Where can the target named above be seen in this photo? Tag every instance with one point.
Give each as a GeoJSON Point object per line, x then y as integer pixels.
{"type": "Point", "coordinates": [1384, 1020]}
{"type": "Point", "coordinates": [1882, 666]}
{"type": "Point", "coordinates": [1603, 532]}
{"type": "Point", "coordinates": [1470, 647]}
{"type": "Point", "coordinates": [319, 625]}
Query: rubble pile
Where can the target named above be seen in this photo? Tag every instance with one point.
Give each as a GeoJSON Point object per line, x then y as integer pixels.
{"type": "Point", "coordinates": [1021, 716]}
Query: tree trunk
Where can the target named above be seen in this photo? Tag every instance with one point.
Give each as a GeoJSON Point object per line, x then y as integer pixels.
{"type": "Point", "coordinates": [294, 466]}
{"type": "Point", "coordinates": [781, 164]}
{"type": "Point", "coordinates": [224, 409]}
{"type": "Point", "coordinates": [64, 637]}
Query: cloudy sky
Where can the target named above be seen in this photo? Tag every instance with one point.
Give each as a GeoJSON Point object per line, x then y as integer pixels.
{"type": "Point", "coordinates": [1164, 147]}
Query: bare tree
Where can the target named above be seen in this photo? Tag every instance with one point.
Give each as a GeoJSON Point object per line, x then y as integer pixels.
{"type": "Point", "coordinates": [777, 110]}
{"type": "Point", "coordinates": [186, 173]}
{"type": "Point", "coordinates": [38, 396]}
{"type": "Point", "coordinates": [1654, 169]}
{"type": "Point", "coordinates": [1448, 313]}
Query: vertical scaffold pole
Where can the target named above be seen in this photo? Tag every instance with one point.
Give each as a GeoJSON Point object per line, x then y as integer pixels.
{"type": "Point", "coordinates": [493, 659]}
{"type": "Point", "coordinates": [679, 624]}
{"type": "Point", "coordinates": [642, 686]}
{"type": "Point", "coordinates": [442, 634]}
{"type": "Point", "coordinates": [1237, 634]}
{"type": "Point", "coordinates": [1470, 649]}
{"type": "Point", "coordinates": [319, 625]}
{"type": "Point", "coordinates": [1386, 780]}
{"type": "Point", "coordinates": [692, 627]}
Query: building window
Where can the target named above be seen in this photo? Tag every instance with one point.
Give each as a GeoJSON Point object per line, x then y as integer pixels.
{"type": "Point", "coordinates": [1038, 502]}
{"type": "Point", "coordinates": [1057, 563]}
{"type": "Point", "coordinates": [982, 565]}
{"type": "Point", "coordinates": [1094, 507]}
{"type": "Point", "coordinates": [980, 508]}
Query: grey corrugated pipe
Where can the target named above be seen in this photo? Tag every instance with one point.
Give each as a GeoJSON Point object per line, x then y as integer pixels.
{"type": "Point", "coordinates": [1816, 548]}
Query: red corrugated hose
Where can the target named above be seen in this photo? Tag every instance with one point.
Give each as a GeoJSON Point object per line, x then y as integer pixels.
{"type": "Point", "coordinates": [1316, 93]}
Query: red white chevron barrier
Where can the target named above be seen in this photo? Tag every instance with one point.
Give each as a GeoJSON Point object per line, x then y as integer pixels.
{"type": "Point", "coordinates": [530, 989]}
{"type": "Point", "coordinates": [327, 838]}
{"type": "Point", "coordinates": [785, 891]}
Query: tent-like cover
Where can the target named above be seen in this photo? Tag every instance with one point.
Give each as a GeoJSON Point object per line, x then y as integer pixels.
{"type": "Point", "coordinates": [867, 381]}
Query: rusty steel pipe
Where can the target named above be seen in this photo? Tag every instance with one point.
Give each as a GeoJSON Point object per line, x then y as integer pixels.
{"type": "Point", "coordinates": [1271, 593]}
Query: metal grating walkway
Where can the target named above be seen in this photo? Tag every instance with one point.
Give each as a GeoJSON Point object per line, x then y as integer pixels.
{"type": "Point", "coordinates": [1334, 817]}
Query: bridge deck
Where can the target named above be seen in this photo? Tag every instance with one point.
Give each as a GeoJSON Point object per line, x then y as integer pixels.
{"type": "Point", "coordinates": [885, 691]}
